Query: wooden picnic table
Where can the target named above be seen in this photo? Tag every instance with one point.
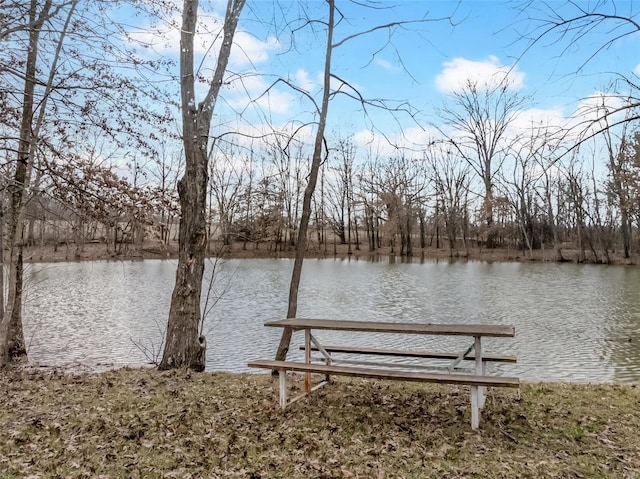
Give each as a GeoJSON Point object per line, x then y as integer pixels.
{"type": "Point", "coordinates": [478, 380]}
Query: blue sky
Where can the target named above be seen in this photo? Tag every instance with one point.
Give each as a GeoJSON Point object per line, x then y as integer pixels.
{"type": "Point", "coordinates": [420, 63]}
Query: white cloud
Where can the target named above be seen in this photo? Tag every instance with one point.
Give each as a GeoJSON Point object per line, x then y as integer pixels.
{"type": "Point", "coordinates": [636, 70]}
{"type": "Point", "coordinates": [247, 50]}
{"type": "Point", "coordinates": [595, 113]}
{"type": "Point", "coordinates": [277, 101]}
{"type": "Point", "coordinates": [252, 91]}
{"type": "Point", "coordinates": [313, 85]}
{"type": "Point", "coordinates": [459, 72]}
{"type": "Point", "coordinates": [537, 118]}
{"type": "Point", "coordinates": [387, 65]}
{"type": "Point", "coordinates": [408, 140]}
{"type": "Point", "coordinates": [365, 138]}
{"type": "Point", "coordinates": [304, 81]}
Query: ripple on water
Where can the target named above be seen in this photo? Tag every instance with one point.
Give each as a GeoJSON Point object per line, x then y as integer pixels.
{"type": "Point", "coordinates": [573, 322]}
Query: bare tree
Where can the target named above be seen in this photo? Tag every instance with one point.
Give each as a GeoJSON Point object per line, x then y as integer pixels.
{"type": "Point", "coordinates": [401, 185]}
{"type": "Point", "coordinates": [226, 182]}
{"type": "Point", "coordinates": [573, 23]}
{"type": "Point", "coordinates": [519, 186]}
{"type": "Point", "coordinates": [621, 180]}
{"type": "Point", "coordinates": [19, 187]}
{"type": "Point", "coordinates": [341, 194]}
{"type": "Point", "coordinates": [290, 163]}
{"type": "Point", "coordinates": [366, 176]}
{"type": "Point", "coordinates": [61, 93]}
{"type": "Point", "coordinates": [184, 346]}
{"type": "Point", "coordinates": [165, 169]}
{"type": "Point", "coordinates": [247, 222]}
{"type": "Point", "coordinates": [316, 160]}
{"type": "Point", "coordinates": [452, 183]}
{"type": "Point", "coordinates": [577, 193]}
{"type": "Point", "coordinates": [479, 116]}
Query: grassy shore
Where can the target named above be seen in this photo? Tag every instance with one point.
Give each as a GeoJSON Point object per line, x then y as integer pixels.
{"type": "Point", "coordinates": [145, 423]}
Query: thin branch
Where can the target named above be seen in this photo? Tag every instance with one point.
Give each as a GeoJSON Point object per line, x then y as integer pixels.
{"type": "Point", "coordinates": [388, 26]}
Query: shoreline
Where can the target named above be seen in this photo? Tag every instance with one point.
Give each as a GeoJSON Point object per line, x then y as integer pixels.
{"type": "Point", "coordinates": [154, 250]}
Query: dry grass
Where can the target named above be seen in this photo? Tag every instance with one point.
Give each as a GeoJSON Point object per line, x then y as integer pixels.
{"type": "Point", "coordinates": [145, 423]}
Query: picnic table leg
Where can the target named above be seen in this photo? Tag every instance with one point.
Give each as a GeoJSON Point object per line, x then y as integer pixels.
{"type": "Point", "coordinates": [326, 355]}
{"type": "Point", "coordinates": [477, 392]}
{"type": "Point", "coordinates": [283, 388]}
{"type": "Point", "coordinates": [483, 390]}
{"type": "Point", "coordinates": [327, 377]}
{"type": "Point", "coordinates": [307, 359]}
{"type": "Point", "coordinates": [481, 367]}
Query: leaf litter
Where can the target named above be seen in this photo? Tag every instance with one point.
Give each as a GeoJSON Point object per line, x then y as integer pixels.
{"type": "Point", "coordinates": [143, 423]}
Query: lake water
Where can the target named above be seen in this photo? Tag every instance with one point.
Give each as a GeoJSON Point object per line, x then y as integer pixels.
{"type": "Point", "coordinates": [573, 322]}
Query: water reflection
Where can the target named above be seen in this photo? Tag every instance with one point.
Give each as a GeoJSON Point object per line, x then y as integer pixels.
{"type": "Point", "coordinates": [573, 322]}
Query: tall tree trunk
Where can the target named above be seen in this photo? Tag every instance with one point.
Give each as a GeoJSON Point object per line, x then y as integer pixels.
{"type": "Point", "coordinates": [19, 186]}
{"type": "Point", "coordinates": [184, 346]}
{"type": "Point", "coordinates": [409, 231]}
{"type": "Point", "coordinates": [368, 216]}
{"type": "Point", "coordinates": [552, 222]}
{"type": "Point", "coordinates": [625, 230]}
{"type": "Point", "coordinates": [301, 246]}
{"type": "Point", "coordinates": [29, 132]}
{"type": "Point", "coordinates": [487, 209]}
{"type": "Point", "coordinates": [17, 346]}
{"type": "Point", "coordinates": [2, 275]}
{"type": "Point", "coordinates": [423, 237]}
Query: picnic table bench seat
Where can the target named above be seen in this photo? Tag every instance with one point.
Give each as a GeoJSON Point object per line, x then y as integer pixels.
{"type": "Point", "coordinates": [459, 379]}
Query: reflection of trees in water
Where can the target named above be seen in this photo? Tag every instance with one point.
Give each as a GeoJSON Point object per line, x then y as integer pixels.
{"type": "Point", "coordinates": [622, 325]}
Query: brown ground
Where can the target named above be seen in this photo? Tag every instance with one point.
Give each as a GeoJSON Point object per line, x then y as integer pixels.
{"type": "Point", "coordinates": [154, 250]}
{"type": "Point", "coordinates": [144, 423]}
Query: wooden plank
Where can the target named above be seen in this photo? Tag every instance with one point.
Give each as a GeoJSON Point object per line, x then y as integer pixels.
{"type": "Point", "coordinates": [414, 354]}
{"type": "Point", "coordinates": [461, 379]}
{"type": "Point", "coordinates": [492, 330]}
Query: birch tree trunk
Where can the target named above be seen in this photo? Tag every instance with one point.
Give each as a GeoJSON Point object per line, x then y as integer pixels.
{"type": "Point", "coordinates": [184, 346]}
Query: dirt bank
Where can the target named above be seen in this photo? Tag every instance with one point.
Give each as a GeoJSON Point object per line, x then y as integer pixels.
{"type": "Point", "coordinates": [155, 250]}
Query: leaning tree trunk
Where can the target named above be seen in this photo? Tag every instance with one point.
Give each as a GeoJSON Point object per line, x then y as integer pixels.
{"type": "Point", "coordinates": [184, 345]}
{"type": "Point", "coordinates": [301, 245]}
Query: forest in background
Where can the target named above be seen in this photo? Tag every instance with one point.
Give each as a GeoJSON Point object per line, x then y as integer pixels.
{"type": "Point", "coordinates": [587, 201]}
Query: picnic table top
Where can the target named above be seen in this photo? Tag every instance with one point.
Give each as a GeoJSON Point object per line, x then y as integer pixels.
{"type": "Point", "coordinates": [493, 330]}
